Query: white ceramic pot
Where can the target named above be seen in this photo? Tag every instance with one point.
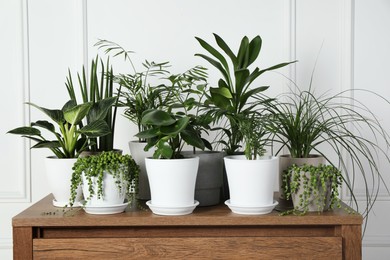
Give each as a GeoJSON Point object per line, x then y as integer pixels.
{"type": "Point", "coordinates": [59, 176]}
{"type": "Point", "coordinates": [139, 154]}
{"type": "Point", "coordinates": [172, 184]}
{"type": "Point", "coordinates": [112, 195]}
{"type": "Point", "coordinates": [251, 182]}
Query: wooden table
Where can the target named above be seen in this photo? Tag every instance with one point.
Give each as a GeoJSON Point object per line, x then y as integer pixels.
{"type": "Point", "coordinates": [43, 231]}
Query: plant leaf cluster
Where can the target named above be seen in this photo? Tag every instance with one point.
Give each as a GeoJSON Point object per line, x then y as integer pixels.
{"type": "Point", "coordinates": [97, 89]}
{"type": "Point", "coordinates": [72, 137]}
{"type": "Point", "coordinates": [234, 97]}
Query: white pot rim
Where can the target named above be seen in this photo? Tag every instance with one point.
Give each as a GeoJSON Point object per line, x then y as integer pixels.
{"type": "Point", "coordinates": [53, 157]}
{"type": "Point", "coordinates": [243, 158]}
{"type": "Point", "coordinates": [174, 160]}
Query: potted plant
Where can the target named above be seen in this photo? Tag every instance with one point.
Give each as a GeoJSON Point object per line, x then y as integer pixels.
{"type": "Point", "coordinates": [171, 176]}
{"type": "Point", "coordinates": [108, 179]}
{"type": "Point", "coordinates": [70, 141]}
{"type": "Point", "coordinates": [235, 95]}
{"type": "Point", "coordinates": [308, 125]}
{"type": "Point", "coordinates": [252, 189]}
{"type": "Point", "coordinates": [138, 95]}
{"type": "Point", "coordinates": [312, 188]}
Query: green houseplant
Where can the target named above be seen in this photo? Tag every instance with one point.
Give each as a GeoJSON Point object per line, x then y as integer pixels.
{"type": "Point", "coordinates": [312, 188]}
{"type": "Point", "coordinates": [234, 96]}
{"type": "Point", "coordinates": [98, 90]}
{"type": "Point", "coordinates": [309, 125]}
{"type": "Point", "coordinates": [251, 191]}
{"type": "Point", "coordinates": [108, 178]}
{"type": "Point", "coordinates": [70, 140]}
{"type": "Point", "coordinates": [142, 90]}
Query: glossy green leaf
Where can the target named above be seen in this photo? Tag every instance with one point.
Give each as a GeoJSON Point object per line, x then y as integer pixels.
{"type": "Point", "coordinates": [241, 79]}
{"type": "Point", "coordinates": [175, 128]}
{"type": "Point", "coordinates": [254, 49]}
{"type": "Point", "coordinates": [96, 129]}
{"type": "Point", "coordinates": [25, 130]}
{"type": "Point", "coordinates": [147, 134]}
{"type": "Point", "coordinates": [100, 109]}
{"type": "Point", "coordinates": [75, 114]}
{"type": "Point", "coordinates": [243, 54]}
{"type": "Point", "coordinates": [55, 114]}
{"type": "Point", "coordinates": [69, 105]}
{"type": "Point", "coordinates": [222, 44]}
{"type": "Point", "coordinates": [157, 118]}
{"type": "Point", "coordinates": [47, 144]}
{"type": "Point", "coordinates": [214, 52]}
{"type": "Point", "coordinates": [191, 137]}
{"type": "Point", "coordinates": [44, 124]}
{"type": "Point", "coordinates": [225, 92]}
{"type": "Point", "coordinates": [217, 65]}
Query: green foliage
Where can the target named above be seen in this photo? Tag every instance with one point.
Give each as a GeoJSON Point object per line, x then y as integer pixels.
{"type": "Point", "coordinates": [72, 138]}
{"type": "Point", "coordinates": [312, 185]}
{"type": "Point", "coordinates": [122, 167]}
{"type": "Point", "coordinates": [254, 136]}
{"type": "Point", "coordinates": [305, 123]}
{"type": "Point", "coordinates": [98, 89]}
{"type": "Point", "coordinates": [234, 95]}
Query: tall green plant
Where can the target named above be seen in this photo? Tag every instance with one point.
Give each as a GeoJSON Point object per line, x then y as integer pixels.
{"type": "Point", "coordinates": [71, 140]}
{"type": "Point", "coordinates": [99, 90]}
{"type": "Point", "coordinates": [234, 94]}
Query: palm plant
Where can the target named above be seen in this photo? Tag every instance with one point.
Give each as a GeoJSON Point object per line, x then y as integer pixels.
{"type": "Point", "coordinates": [234, 95]}
{"type": "Point", "coordinates": [305, 122]}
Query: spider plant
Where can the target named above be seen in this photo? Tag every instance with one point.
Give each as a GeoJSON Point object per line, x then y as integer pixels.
{"type": "Point", "coordinates": [306, 123]}
{"type": "Point", "coordinates": [234, 95]}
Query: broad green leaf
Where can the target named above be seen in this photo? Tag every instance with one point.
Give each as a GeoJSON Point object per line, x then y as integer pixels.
{"type": "Point", "coordinates": [225, 74]}
{"type": "Point", "coordinates": [25, 130]}
{"type": "Point", "coordinates": [225, 92]}
{"type": "Point", "coordinates": [219, 100]}
{"type": "Point", "coordinates": [100, 109]}
{"type": "Point", "coordinates": [241, 79]}
{"type": "Point", "coordinates": [44, 124]}
{"type": "Point", "coordinates": [175, 128]}
{"type": "Point", "coordinates": [191, 137]}
{"type": "Point", "coordinates": [47, 144]}
{"type": "Point", "coordinates": [242, 56]}
{"type": "Point", "coordinates": [147, 134]}
{"type": "Point", "coordinates": [74, 115]}
{"type": "Point", "coordinates": [222, 44]}
{"type": "Point", "coordinates": [55, 114]}
{"type": "Point", "coordinates": [214, 52]}
{"type": "Point", "coordinates": [254, 49]}
{"type": "Point", "coordinates": [157, 118]}
{"type": "Point", "coordinates": [96, 129]}
{"type": "Point", "coordinates": [68, 105]}
{"type": "Point", "coordinates": [163, 150]}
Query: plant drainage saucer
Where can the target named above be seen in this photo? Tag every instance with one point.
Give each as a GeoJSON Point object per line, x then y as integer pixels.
{"type": "Point", "coordinates": [172, 211]}
{"type": "Point", "coordinates": [106, 209]}
{"type": "Point", "coordinates": [248, 210]}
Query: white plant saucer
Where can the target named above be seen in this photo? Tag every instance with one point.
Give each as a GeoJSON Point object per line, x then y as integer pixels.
{"type": "Point", "coordinates": [106, 209]}
{"type": "Point", "coordinates": [248, 210]}
{"type": "Point", "coordinates": [172, 211]}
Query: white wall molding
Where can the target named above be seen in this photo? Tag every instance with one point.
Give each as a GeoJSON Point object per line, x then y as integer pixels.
{"type": "Point", "coordinates": [376, 241]}
{"type": "Point", "coordinates": [22, 193]}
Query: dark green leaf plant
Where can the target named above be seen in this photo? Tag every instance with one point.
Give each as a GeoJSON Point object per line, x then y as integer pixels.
{"type": "Point", "coordinates": [71, 139]}
{"type": "Point", "coordinates": [236, 94]}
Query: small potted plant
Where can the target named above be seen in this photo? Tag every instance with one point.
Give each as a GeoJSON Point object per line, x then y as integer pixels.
{"type": "Point", "coordinates": [70, 141]}
{"type": "Point", "coordinates": [320, 128]}
{"type": "Point", "coordinates": [312, 188]}
{"type": "Point", "coordinates": [171, 176]}
{"type": "Point", "coordinates": [108, 179]}
{"type": "Point", "coordinates": [251, 176]}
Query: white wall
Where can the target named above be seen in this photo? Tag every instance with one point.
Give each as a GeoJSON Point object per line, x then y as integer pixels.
{"type": "Point", "coordinates": [42, 38]}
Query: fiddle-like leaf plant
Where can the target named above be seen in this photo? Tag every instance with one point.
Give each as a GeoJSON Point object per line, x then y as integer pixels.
{"type": "Point", "coordinates": [234, 95]}
{"type": "Point", "coordinates": [71, 140]}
